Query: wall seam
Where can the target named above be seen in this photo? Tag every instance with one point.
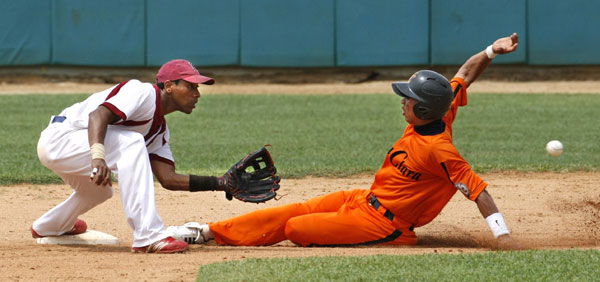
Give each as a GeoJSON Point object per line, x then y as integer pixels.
{"type": "Point", "coordinates": [335, 39]}
{"type": "Point", "coordinates": [146, 33]}
{"type": "Point", "coordinates": [430, 51]}
{"type": "Point", "coordinates": [527, 49]}
{"type": "Point", "coordinates": [239, 59]}
{"type": "Point", "coordinates": [51, 48]}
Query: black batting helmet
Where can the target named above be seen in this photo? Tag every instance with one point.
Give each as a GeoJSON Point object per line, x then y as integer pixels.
{"type": "Point", "coordinates": [432, 92]}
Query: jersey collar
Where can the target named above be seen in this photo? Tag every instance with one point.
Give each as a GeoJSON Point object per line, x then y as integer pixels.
{"type": "Point", "coordinates": [433, 128]}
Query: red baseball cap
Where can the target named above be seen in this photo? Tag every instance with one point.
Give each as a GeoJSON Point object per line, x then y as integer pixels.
{"type": "Point", "coordinates": [181, 69]}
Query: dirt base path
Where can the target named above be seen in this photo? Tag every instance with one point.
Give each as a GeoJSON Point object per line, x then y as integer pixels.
{"type": "Point", "coordinates": [482, 86]}
{"type": "Point", "coordinates": [543, 210]}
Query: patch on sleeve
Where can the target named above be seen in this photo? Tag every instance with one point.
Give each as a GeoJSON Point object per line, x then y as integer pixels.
{"type": "Point", "coordinates": [463, 188]}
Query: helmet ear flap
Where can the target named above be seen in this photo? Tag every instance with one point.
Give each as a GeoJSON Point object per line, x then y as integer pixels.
{"type": "Point", "coordinates": [421, 111]}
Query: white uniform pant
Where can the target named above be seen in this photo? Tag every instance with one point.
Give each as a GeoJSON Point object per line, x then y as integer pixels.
{"type": "Point", "coordinates": [65, 150]}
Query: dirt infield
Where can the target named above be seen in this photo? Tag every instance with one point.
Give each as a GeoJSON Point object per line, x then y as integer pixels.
{"type": "Point", "coordinates": [543, 210]}
{"type": "Point", "coordinates": [484, 86]}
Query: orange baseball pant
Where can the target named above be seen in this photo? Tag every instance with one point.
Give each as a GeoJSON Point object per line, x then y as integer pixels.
{"type": "Point", "coordinates": [343, 218]}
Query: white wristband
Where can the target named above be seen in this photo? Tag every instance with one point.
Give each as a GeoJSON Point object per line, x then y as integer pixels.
{"type": "Point", "coordinates": [97, 150]}
{"type": "Point", "coordinates": [490, 52]}
{"type": "Point", "coordinates": [497, 224]}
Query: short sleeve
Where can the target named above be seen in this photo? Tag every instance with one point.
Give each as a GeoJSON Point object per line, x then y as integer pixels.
{"type": "Point", "coordinates": [133, 101]}
{"type": "Point", "coordinates": [460, 92]}
{"type": "Point", "coordinates": [460, 98]}
{"type": "Point", "coordinates": [458, 171]}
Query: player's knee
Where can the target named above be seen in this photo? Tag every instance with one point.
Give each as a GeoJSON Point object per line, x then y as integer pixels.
{"type": "Point", "coordinates": [293, 232]}
{"type": "Point", "coordinates": [290, 231]}
{"type": "Point", "coordinates": [46, 158]}
{"type": "Point", "coordinates": [43, 156]}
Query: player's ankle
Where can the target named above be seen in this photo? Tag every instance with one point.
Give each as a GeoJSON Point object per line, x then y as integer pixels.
{"type": "Point", "coordinates": [206, 234]}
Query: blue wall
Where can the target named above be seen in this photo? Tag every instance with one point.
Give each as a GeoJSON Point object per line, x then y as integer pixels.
{"type": "Point", "coordinates": [294, 33]}
{"type": "Point", "coordinates": [464, 27]}
{"type": "Point", "coordinates": [565, 32]}
{"type": "Point", "coordinates": [22, 41]}
{"type": "Point", "coordinates": [382, 33]}
{"type": "Point", "coordinates": [98, 34]}
{"type": "Point", "coordinates": [205, 31]}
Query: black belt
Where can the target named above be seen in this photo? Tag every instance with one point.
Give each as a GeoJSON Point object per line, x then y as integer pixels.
{"type": "Point", "coordinates": [58, 119]}
{"type": "Point", "coordinates": [376, 204]}
{"type": "Point", "coordinates": [388, 214]}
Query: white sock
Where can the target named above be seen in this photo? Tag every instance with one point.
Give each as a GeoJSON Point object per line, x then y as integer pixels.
{"type": "Point", "coordinates": [206, 233]}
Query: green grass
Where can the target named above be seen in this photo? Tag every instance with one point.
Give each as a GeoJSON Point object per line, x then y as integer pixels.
{"type": "Point", "coordinates": [23, 119]}
{"type": "Point", "coordinates": [572, 265]}
{"type": "Point", "coordinates": [339, 135]}
{"type": "Point", "coordinates": [349, 134]}
{"type": "Point", "coordinates": [510, 132]}
{"type": "Point", "coordinates": [310, 135]}
{"type": "Point", "coordinates": [331, 135]}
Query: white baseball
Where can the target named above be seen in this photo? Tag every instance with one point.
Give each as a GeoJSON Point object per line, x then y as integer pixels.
{"type": "Point", "coordinates": [554, 148]}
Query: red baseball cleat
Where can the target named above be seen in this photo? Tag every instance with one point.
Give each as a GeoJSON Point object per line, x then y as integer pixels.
{"type": "Point", "coordinates": [34, 234]}
{"type": "Point", "coordinates": [79, 227]}
{"type": "Point", "coordinates": [165, 246]}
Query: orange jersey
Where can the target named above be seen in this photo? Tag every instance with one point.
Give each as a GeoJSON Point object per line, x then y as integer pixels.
{"type": "Point", "coordinates": [419, 176]}
{"type": "Point", "coordinates": [423, 170]}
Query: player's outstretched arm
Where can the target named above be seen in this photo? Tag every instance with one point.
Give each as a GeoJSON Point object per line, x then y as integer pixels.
{"type": "Point", "coordinates": [475, 65]}
{"type": "Point", "coordinates": [171, 180]}
{"type": "Point", "coordinates": [168, 178]}
{"type": "Point", "coordinates": [253, 179]}
{"type": "Point", "coordinates": [494, 218]}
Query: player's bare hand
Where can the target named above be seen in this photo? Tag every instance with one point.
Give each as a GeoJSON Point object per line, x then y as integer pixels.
{"type": "Point", "coordinates": [100, 174]}
{"type": "Point", "coordinates": [506, 44]}
{"type": "Point", "coordinates": [507, 243]}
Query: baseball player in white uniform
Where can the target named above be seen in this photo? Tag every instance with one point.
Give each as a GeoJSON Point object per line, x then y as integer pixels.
{"type": "Point", "coordinates": [121, 130]}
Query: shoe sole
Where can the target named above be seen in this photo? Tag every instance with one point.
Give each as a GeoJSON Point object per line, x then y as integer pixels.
{"type": "Point", "coordinates": [159, 252]}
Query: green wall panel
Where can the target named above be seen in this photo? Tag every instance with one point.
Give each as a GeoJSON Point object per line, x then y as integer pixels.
{"type": "Point", "coordinates": [99, 33]}
{"type": "Point", "coordinates": [382, 32]}
{"type": "Point", "coordinates": [294, 33]}
{"type": "Point", "coordinates": [461, 28]}
{"type": "Point", "coordinates": [205, 32]}
{"type": "Point", "coordinates": [290, 33]}
{"type": "Point", "coordinates": [25, 32]}
{"type": "Point", "coordinates": [564, 32]}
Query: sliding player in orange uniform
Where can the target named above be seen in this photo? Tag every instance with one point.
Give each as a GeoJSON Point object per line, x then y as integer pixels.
{"type": "Point", "coordinates": [420, 174]}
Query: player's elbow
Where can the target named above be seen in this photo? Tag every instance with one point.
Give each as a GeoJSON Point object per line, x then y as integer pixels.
{"type": "Point", "coordinates": [167, 177]}
{"type": "Point", "coordinates": [168, 183]}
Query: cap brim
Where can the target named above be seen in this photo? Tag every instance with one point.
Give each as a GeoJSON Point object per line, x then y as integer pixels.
{"type": "Point", "coordinates": [200, 79]}
{"type": "Point", "coordinates": [402, 89]}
